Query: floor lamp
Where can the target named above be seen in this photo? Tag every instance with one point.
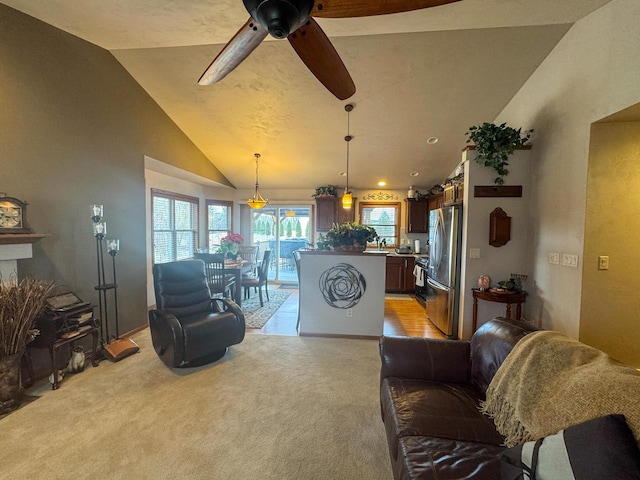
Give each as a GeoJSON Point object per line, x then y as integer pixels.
{"type": "Point", "coordinates": [114, 347]}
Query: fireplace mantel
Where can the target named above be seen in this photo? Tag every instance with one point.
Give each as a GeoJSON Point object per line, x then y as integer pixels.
{"type": "Point", "coordinates": [18, 238]}
{"type": "Point", "coordinates": [14, 247]}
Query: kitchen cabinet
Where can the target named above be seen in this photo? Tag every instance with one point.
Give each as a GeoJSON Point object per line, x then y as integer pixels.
{"type": "Point", "coordinates": [436, 201]}
{"type": "Point", "coordinates": [417, 215]}
{"type": "Point", "coordinates": [453, 194]}
{"type": "Point", "coordinates": [325, 213]}
{"type": "Point", "coordinates": [342, 215]}
{"type": "Point", "coordinates": [329, 211]}
{"type": "Point", "coordinates": [399, 274]}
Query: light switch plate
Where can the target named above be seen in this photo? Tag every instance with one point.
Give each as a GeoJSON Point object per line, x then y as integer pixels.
{"type": "Point", "coordinates": [569, 260]}
{"type": "Point", "coordinates": [554, 258]}
{"type": "Point", "coordinates": [474, 253]}
{"type": "Point", "coordinates": [603, 262]}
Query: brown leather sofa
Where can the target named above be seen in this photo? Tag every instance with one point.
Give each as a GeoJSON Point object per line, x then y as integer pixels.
{"type": "Point", "coordinates": [430, 392]}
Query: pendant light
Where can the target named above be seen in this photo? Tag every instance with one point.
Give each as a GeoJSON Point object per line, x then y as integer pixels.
{"type": "Point", "coordinates": [347, 198]}
{"type": "Point", "coordinates": [257, 202]}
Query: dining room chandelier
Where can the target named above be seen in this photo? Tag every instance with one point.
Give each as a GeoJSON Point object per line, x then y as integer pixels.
{"type": "Point", "coordinates": [257, 202]}
{"type": "Point", "coordinates": [347, 198]}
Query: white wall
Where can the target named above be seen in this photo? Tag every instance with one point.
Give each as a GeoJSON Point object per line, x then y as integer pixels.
{"type": "Point", "coordinates": [161, 181]}
{"type": "Point", "coordinates": [497, 262]}
{"type": "Point", "coordinates": [593, 72]}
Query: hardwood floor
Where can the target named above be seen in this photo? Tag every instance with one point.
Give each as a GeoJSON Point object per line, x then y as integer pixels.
{"type": "Point", "coordinates": [401, 317]}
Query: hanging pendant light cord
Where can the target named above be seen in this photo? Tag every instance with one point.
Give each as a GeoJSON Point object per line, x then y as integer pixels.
{"type": "Point", "coordinates": [348, 107]}
{"type": "Point", "coordinates": [257, 202]}
{"type": "Point", "coordinates": [257, 155]}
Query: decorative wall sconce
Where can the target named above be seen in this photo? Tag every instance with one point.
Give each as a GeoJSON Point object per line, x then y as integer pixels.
{"type": "Point", "coordinates": [499, 228]}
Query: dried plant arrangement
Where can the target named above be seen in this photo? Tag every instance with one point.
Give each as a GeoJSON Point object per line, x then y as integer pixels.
{"type": "Point", "coordinates": [20, 304]}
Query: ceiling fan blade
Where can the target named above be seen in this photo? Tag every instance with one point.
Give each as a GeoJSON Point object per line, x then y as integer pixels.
{"type": "Point", "coordinates": [365, 8]}
{"type": "Point", "coordinates": [239, 47]}
{"type": "Point", "coordinates": [316, 51]}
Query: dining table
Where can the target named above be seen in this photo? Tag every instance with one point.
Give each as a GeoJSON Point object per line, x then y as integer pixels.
{"type": "Point", "coordinates": [237, 269]}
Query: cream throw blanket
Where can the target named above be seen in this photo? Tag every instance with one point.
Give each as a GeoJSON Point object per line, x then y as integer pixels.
{"type": "Point", "coordinates": [549, 382]}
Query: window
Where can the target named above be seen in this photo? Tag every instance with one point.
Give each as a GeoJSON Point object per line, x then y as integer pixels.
{"type": "Point", "coordinates": [175, 226]}
{"type": "Point", "coordinates": [385, 218]}
{"type": "Point", "coordinates": [219, 215]}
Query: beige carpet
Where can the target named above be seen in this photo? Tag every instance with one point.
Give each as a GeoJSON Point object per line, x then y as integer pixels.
{"type": "Point", "coordinates": [274, 407]}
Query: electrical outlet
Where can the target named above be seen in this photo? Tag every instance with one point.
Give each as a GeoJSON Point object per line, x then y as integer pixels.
{"type": "Point", "coordinates": [474, 253]}
{"type": "Point", "coordinates": [569, 260]}
{"type": "Point", "coordinates": [349, 312]}
{"type": "Point", "coordinates": [603, 262]}
{"type": "Point", "coordinates": [554, 258]}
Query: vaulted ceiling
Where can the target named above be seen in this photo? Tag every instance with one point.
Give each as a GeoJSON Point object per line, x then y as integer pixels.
{"type": "Point", "coordinates": [422, 74]}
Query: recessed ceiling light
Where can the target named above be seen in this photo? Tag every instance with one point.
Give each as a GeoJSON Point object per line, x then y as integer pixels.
{"type": "Point", "coordinates": [432, 140]}
{"type": "Point", "coordinates": [343, 174]}
{"type": "Point", "coordinates": [414, 174]}
{"type": "Point", "coordinates": [382, 183]}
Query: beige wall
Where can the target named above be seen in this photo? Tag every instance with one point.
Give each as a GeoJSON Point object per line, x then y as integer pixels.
{"type": "Point", "coordinates": [592, 73]}
{"type": "Point", "coordinates": [610, 300]}
{"type": "Point", "coordinates": [74, 129]}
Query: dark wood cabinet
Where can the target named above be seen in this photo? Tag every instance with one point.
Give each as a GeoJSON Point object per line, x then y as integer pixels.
{"type": "Point", "coordinates": [453, 194]}
{"type": "Point", "coordinates": [395, 274]}
{"type": "Point", "coordinates": [399, 274]}
{"type": "Point", "coordinates": [345, 215]}
{"type": "Point", "coordinates": [329, 211]}
{"type": "Point", "coordinates": [417, 215]}
{"type": "Point", "coordinates": [325, 213]}
{"type": "Point", "coordinates": [409, 279]}
{"type": "Point", "coordinates": [436, 201]}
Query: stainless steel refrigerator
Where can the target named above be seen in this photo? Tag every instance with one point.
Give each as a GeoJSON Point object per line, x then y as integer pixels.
{"type": "Point", "coordinates": [443, 274]}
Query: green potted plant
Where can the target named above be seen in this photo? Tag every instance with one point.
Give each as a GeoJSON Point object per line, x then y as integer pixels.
{"type": "Point", "coordinates": [20, 304]}
{"type": "Point", "coordinates": [494, 144]}
{"type": "Point", "coordinates": [325, 191]}
{"type": "Point", "coordinates": [351, 236]}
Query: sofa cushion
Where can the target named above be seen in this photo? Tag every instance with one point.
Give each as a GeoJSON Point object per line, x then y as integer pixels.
{"type": "Point", "coordinates": [491, 344]}
{"type": "Point", "coordinates": [602, 448]}
{"type": "Point", "coordinates": [433, 409]}
{"type": "Point", "coordinates": [428, 458]}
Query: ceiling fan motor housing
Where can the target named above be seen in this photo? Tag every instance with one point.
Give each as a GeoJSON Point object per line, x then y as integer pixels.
{"type": "Point", "coordinates": [279, 17]}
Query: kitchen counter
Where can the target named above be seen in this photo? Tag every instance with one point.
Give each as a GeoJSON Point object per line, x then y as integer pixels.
{"type": "Point", "coordinates": [394, 254]}
{"type": "Point", "coordinates": [341, 293]}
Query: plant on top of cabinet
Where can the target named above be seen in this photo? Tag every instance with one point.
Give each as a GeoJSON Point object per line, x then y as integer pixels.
{"type": "Point", "coordinates": [494, 144]}
{"type": "Point", "coordinates": [325, 191]}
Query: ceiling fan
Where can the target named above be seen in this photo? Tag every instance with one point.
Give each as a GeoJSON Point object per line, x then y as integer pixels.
{"type": "Point", "coordinates": [293, 19]}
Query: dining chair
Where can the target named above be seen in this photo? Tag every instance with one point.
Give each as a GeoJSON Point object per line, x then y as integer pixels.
{"type": "Point", "coordinates": [249, 253]}
{"type": "Point", "coordinates": [260, 280]}
{"type": "Point", "coordinates": [219, 281]}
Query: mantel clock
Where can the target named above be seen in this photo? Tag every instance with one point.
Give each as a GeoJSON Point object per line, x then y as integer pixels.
{"type": "Point", "coordinates": [13, 215]}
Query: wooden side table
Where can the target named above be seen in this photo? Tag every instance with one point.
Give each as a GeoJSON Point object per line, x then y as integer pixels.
{"type": "Point", "coordinates": [507, 297]}
{"type": "Point", "coordinates": [57, 330]}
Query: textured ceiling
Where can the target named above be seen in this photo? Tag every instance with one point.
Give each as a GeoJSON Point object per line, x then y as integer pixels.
{"type": "Point", "coordinates": [419, 74]}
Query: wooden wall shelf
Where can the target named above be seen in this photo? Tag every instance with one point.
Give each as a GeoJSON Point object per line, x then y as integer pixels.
{"type": "Point", "coordinates": [484, 191]}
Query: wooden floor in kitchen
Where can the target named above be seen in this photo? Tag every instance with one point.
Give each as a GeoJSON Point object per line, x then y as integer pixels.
{"type": "Point", "coordinates": [401, 317]}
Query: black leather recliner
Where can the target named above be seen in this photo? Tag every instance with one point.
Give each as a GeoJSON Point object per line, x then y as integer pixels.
{"type": "Point", "coordinates": [188, 327]}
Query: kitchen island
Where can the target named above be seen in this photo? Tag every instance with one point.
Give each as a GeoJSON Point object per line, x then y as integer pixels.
{"type": "Point", "coordinates": [341, 293]}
